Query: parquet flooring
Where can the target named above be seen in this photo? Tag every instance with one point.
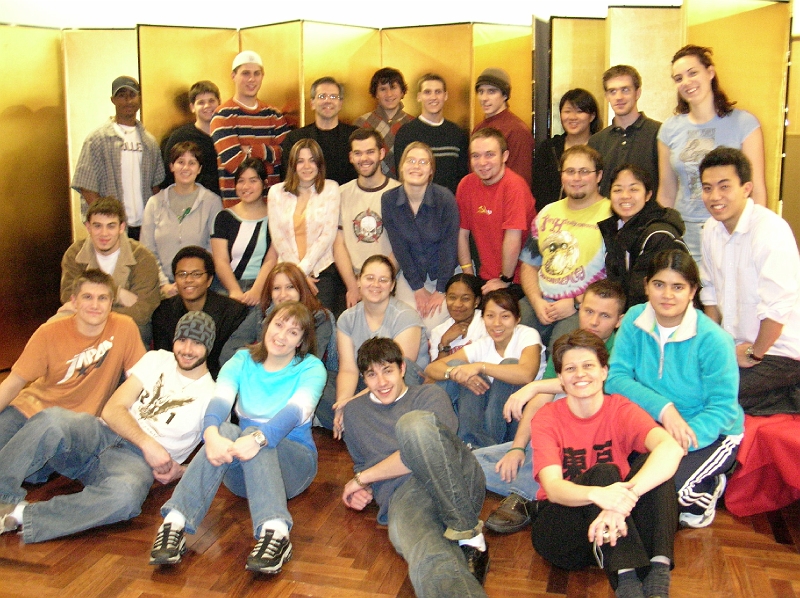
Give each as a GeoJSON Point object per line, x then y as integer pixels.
{"type": "Point", "coordinates": [339, 553]}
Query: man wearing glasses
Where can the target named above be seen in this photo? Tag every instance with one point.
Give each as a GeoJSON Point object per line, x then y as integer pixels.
{"type": "Point", "coordinates": [565, 252]}
{"type": "Point", "coordinates": [327, 97]}
{"type": "Point", "coordinates": [193, 268]}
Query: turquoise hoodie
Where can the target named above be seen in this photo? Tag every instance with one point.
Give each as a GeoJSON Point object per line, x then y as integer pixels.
{"type": "Point", "coordinates": [696, 371]}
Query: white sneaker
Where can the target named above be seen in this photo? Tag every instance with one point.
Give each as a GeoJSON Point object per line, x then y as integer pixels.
{"type": "Point", "coordinates": [704, 520]}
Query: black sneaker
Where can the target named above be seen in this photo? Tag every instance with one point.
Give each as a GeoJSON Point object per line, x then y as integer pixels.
{"type": "Point", "coordinates": [269, 554]}
{"type": "Point", "coordinates": [477, 561]}
{"type": "Point", "coordinates": [513, 515]}
{"type": "Point", "coordinates": [169, 547]}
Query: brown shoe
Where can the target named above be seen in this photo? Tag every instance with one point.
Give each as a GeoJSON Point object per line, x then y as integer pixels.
{"type": "Point", "coordinates": [513, 514]}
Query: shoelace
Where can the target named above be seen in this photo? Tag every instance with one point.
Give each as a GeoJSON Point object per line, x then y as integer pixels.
{"type": "Point", "coordinates": [273, 545]}
{"type": "Point", "coordinates": [167, 537]}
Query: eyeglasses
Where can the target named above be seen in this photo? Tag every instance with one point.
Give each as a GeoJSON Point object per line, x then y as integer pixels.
{"type": "Point", "coordinates": [370, 278]}
{"type": "Point", "coordinates": [328, 96]}
{"type": "Point", "coordinates": [421, 161]}
{"type": "Point", "coordinates": [582, 172]}
{"type": "Point", "coordinates": [194, 275]}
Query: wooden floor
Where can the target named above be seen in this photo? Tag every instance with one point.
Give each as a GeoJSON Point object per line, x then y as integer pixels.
{"type": "Point", "coordinates": [341, 553]}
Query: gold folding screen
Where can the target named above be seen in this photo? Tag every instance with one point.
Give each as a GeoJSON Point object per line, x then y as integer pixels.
{"type": "Point", "coordinates": [33, 182]}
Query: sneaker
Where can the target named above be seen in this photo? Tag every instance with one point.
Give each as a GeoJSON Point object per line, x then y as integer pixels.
{"type": "Point", "coordinates": [477, 561]}
{"type": "Point", "coordinates": [513, 515]}
{"type": "Point", "coordinates": [697, 521]}
{"type": "Point", "coordinates": [8, 523]}
{"type": "Point", "coordinates": [269, 554]}
{"type": "Point", "coordinates": [169, 547]}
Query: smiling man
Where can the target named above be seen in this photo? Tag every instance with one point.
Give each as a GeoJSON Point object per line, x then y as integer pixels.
{"type": "Point", "coordinates": [448, 142]}
{"type": "Point", "coordinates": [244, 126]}
{"type": "Point", "coordinates": [631, 138]}
{"type": "Point", "coordinates": [493, 88]}
{"type": "Point", "coordinates": [120, 159]}
{"type": "Point", "coordinates": [203, 102]}
{"type": "Point", "coordinates": [388, 87]}
{"type": "Point", "coordinates": [751, 284]}
{"type": "Point", "coordinates": [361, 233]}
{"type": "Point", "coordinates": [132, 266]}
{"type": "Point", "coordinates": [333, 136]}
{"type": "Point", "coordinates": [73, 362]}
{"type": "Point", "coordinates": [151, 424]}
{"type": "Point", "coordinates": [496, 209]}
{"type": "Point", "coordinates": [193, 269]}
{"type": "Point", "coordinates": [565, 252]}
{"type": "Point", "coordinates": [428, 485]}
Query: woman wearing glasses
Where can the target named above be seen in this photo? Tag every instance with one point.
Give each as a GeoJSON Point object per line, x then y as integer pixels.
{"type": "Point", "coordinates": [421, 219]}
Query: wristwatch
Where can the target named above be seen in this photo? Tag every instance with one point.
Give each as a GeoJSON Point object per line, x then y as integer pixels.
{"type": "Point", "coordinates": [448, 371]}
{"type": "Point", "coordinates": [576, 304]}
{"type": "Point", "coordinates": [749, 353]}
{"type": "Point", "coordinates": [506, 279]}
{"type": "Point", "coordinates": [259, 437]}
{"type": "Point", "coordinates": [444, 348]}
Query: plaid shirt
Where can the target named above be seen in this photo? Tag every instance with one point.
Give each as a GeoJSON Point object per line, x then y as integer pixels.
{"type": "Point", "coordinates": [388, 128]}
{"type": "Point", "coordinates": [99, 167]}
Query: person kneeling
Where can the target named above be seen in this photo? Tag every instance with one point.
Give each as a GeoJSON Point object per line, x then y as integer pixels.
{"type": "Point", "coordinates": [428, 485]}
{"type": "Point", "coordinates": [581, 446]}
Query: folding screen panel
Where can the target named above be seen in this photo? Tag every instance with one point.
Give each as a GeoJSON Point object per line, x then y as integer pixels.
{"type": "Point", "coordinates": [92, 60]}
{"type": "Point", "coordinates": [790, 188]}
{"type": "Point", "coordinates": [171, 59]}
{"type": "Point", "coordinates": [578, 59]}
{"type": "Point", "coordinates": [511, 48]}
{"type": "Point", "coordinates": [645, 38]}
{"type": "Point", "coordinates": [34, 178]}
{"type": "Point", "coordinates": [750, 42]}
{"type": "Point", "coordinates": [442, 49]}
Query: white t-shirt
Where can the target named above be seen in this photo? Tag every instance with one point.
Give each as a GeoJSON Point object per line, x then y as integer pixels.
{"type": "Point", "coordinates": [107, 263]}
{"type": "Point", "coordinates": [476, 330]}
{"type": "Point", "coordinates": [131, 161]}
{"type": "Point", "coordinates": [171, 406]}
{"type": "Point", "coordinates": [483, 349]}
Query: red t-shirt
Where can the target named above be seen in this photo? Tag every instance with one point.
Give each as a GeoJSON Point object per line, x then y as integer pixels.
{"type": "Point", "coordinates": [559, 437]}
{"type": "Point", "coordinates": [487, 211]}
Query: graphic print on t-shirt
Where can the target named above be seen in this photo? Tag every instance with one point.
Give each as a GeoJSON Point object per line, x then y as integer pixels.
{"type": "Point", "coordinates": [573, 463]}
{"type": "Point", "coordinates": [368, 226]}
{"type": "Point", "coordinates": [698, 143]}
{"type": "Point", "coordinates": [87, 360]}
{"type": "Point", "coordinates": [155, 403]}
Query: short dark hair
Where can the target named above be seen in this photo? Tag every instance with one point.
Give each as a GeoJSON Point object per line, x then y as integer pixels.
{"type": "Point", "coordinates": [431, 77]}
{"type": "Point", "coordinates": [608, 289]}
{"type": "Point", "coordinates": [254, 163]}
{"type": "Point", "coordinates": [587, 151]}
{"type": "Point", "coordinates": [177, 150]}
{"type": "Point", "coordinates": [202, 87]}
{"type": "Point", "coordinates": [194, 251]}
{"type": "Point", "coordinates": [293, 310]}
{"type": "Point", "coordinates": [585, 102]}
{"type": "Point", "coordinates": [639, 173]}
{"type": "Point", "coordinates": [490, 133]}
{"type": "Point", "coordinates": [107, 206]}
{"type": "Point", "coordinates": [386, 76]}
{"type": "Point", "coordinates": [503, 299]}
{"type": "Point", "coordinates": [94, 276]}
{"type": "Point", "coordinates": [728, 156]}
{"type": "Point", "coordinates": [378, 350]}
{"type": "Point", "coordinates": [474, 283]}
{"type": "Point", "coordinates": [326, 81]}
{"type": "Point", "coordinates": [679, 261]}
{"type": "Point", "coordinates": [579, 339]}
{"type": "Point", "coordinates": [623, 70]}
{"type": "Point", "coordinates": [365, 133]}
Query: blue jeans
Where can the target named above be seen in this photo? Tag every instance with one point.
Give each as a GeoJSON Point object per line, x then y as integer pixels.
{"type": "Point", "coordinates": [523, 484]}
{"type": "Point", "coordinates": [267, 481]}
{"type": "Point", "coordinates": [549, 332]}
{"type": "Point", "coordinates": [115, 476]}
{"type": "Point", "coordinates": [439, 503]}
{"type": "Point", "coordinates": [11, 422]}
{"type": "Point", "coordinates": [480, 417]}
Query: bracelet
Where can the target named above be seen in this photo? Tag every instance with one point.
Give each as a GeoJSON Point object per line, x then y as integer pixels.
{"type": "Point", "coordinates": [515, 448]}
{"type": "Point", "coordinates": [357, 478]}
{"type": "Point", "coordinates": [463, 266]}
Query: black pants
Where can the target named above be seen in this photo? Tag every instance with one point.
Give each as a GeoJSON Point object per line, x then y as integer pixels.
{"type": "Point", "coordinates": [560, 534]}
{"type": "Point", "coordinates": [772, 386]}
{"type": "Point", "coordinates": [332, 292]}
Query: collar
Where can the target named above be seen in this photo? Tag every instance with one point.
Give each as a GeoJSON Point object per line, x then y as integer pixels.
{"type": "Point", "coordinates": [381, 113]}
{"type": "Point", "coordinates": [430, 122]}
{"type": "Point", "coordinates": [637, 124]}
{"type": "Point", "coordinates": [428, 199]}
{"type": "Point", "coordinates": [686, 329]}
{"type": "Point", "coordinates": [87, 255]}
{"type": "Point", "coordinates": [745, 220]}
{"type": "Point", "coordinates": [374, 189]}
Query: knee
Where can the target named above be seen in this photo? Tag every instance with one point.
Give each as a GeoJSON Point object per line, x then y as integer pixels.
{"type": "Point", "coordinates": [415, 427]}
{"type": "Point", "coordinates": [230, 431]}
{"type": "Point", "coordinates": [602, 474]}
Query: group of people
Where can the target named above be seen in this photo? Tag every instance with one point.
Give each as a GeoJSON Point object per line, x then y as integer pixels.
{"type": "Point", "coordinates": [586, 350]}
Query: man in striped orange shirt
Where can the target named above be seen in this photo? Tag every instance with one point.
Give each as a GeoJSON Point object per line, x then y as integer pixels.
{"type": "Point", "coordinates": [244, 126]}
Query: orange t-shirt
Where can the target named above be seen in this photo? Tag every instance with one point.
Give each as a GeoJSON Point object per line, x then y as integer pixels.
{"type": "Point", "coordinates": [74, 371]}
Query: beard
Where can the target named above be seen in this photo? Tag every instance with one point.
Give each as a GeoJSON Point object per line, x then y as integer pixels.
{"type": "Point", "coordinates": [193, 365]}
